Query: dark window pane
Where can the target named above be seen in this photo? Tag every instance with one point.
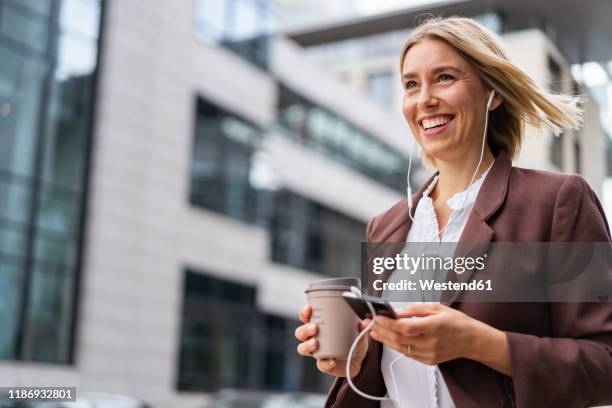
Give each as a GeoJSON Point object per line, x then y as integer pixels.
{"type": "Point", "coordinates": [45, 128]}
{"type": "Point", "coordinates": [21, 80]}
{"type": "Point", "coordinates": [229, 172]}
{"type": "Point", "coordinates": [55, 250]}
{"type": "Point", "coordinates": [10, 291]}
{"type": "Point", "coordinates": [49, 314]}
{"type": "Point", "coordinates": [69, 118]}
{"type": "Point", "coordinates": [59, 211]}
{"type": "Point", "coordinates": [227, 343]}
{"type": "Point", "coordinates": [23, 27]}
{"type": "Point", "coordinates": [218, 317]}
{"type": "Point", "coordinates": [310, 236]}
{"type": "Point", "coordinates": [15, 197]}
{"type": "Point", "coordinates": [41, 7]}
{"type": "Point", "coordinates": [12, 239]}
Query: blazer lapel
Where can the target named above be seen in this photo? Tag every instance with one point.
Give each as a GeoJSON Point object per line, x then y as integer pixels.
{"type": "Point", "coordinates": [477, 233]}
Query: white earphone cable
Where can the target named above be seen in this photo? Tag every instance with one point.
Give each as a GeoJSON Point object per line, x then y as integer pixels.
{"type": "Point", "coordinates": [484, 137]}
{"type": "Point", "coordinates": [350, 355]}
{"type": "Point", "coordinates": [367, 329]}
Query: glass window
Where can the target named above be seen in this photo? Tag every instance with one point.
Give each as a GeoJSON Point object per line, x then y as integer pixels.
{"type": "Point", "coordinates": [45, 123]}
{"type": "Point", "coordinates": [225, 177]}
{"type": "Point", "coordinates": [380, 88]}
{"type": "Point", "coordinates": [310, 236]}
{"type": "Point", "coordinates": [77, 58]}
{"type": "Point", "coordinates": [13, 239]}
{"type": "Point", "coordinates": [246, 22]}
{"type": "Point", "coordinates": [67, 131]}
{"type": "Point", "coordinates": [211, 18]}
{"type": "Point", "coordinates": [81, 17]}
{"type": "Point", "coordinates": [335, 137]}
{"type": "Point", "coordinates": [15, 197]}
{"type": "Point", "coordinates": [49, 314]}
{"type": "Point", "coordinates": [10, 290]}
{"type": "Point", "coordinates": [42, 8]}
{"type": "Point", "coordinates": [226, 342]}
{"type": "Point", "coordinates": [21, 82]}
{"type": "Point", "coordinates": [23, 27]}
{"type": "Point", "coordinates": [238, 25]}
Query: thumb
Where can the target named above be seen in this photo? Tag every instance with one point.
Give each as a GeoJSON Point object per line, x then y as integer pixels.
{"type": "Point", "coordinates": [420, 310]}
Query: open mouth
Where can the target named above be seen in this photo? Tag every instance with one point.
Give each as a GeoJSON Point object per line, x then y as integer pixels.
{"type": "Point", "coordinates": [436, 125]}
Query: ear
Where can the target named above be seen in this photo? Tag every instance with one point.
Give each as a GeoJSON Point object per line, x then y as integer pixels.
{"type": "Point", "coordinates": [497, 100]}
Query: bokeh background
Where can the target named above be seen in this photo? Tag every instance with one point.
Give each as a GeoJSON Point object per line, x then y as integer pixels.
{"type": "Point", "coordinates": [173, 173]}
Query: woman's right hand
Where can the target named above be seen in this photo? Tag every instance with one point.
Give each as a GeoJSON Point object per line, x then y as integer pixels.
{"type": "Point", "coordinates": [307, 333]}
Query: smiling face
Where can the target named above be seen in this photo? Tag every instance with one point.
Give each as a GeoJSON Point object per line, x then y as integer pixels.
{"type": "Point", "coordinates": [444, 100]}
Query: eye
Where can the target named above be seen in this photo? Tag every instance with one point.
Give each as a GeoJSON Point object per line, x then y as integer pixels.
{"type": "Point", "coordinates": [445, 77]}
{"type": "Point", "coordinates": [410, 84]}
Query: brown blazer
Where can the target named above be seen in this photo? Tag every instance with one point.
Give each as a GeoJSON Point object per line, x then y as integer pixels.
{"type": "Point", "coordinates": [561, 353]}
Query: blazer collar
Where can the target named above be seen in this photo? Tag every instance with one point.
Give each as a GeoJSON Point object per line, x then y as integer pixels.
{"type": "Point", "coordinates": [395, 223]}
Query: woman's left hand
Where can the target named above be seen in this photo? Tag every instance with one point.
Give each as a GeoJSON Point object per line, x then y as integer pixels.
{"type": "Point", "coordinates": [440, 333]}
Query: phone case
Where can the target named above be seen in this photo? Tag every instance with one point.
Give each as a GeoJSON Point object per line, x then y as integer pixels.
{"type": "Point", "coordinates": [362, 310]}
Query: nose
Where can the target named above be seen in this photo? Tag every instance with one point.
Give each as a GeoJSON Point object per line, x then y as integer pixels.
{"type": "Point", "coordinates": [426, 99]}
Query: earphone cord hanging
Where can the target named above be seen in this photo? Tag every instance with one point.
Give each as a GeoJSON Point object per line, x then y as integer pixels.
{"type": "Point", "coordinates": [350, 355]}
{"type": "Point", "coordinates": [484, 136]}
{"type": "Point", "coordinates": [467, 193]}
{"type": "Point", "coordinates": [372, 311]}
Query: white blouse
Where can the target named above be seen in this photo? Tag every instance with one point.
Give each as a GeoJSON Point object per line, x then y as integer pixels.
{"type": "Point", "coordinates": [420, 385]}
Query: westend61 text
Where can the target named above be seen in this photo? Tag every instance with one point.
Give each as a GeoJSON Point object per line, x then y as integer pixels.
{"type": "Point", "coordinates": [406, 285]}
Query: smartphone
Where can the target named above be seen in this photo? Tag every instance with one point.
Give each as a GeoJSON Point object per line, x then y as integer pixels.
{"type": "Point", "coordinates": [361, 309]}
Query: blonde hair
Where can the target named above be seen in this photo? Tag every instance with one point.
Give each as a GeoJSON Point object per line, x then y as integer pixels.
{"type": "Point", "coordinates": [523, 102]}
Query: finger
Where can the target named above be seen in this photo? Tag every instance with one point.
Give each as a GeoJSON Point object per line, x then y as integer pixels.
{"type": "Point", "coordinates": [421, 310]}
{"type": "Point", "coordinates": [405, 326]}
{"type": "Point", "coordinates": [305, 314]}
{"type": "Point", "coordinates": [306, 331]}
{"type": "Point", "coordinates": [364, 323]}
{"type": "Point", "coordinates": [388, 337]}
{"type": "Point", "coordinates": [326, 364]}
{"type": "Point", "coordinates": [307, 348]}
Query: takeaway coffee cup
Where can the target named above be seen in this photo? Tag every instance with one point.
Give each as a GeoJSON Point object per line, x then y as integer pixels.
{"type": "Point", "coordinates": [336, 320]}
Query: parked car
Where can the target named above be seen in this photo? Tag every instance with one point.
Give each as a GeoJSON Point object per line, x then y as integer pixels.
{"type": "Point", "coordinates": [236, 398]}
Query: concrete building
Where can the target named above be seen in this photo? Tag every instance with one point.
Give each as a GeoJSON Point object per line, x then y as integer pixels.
{"type": "Point", "coordinates": [208, 181]}
{"type": "Point", "coordinates": [170, 181]}
{"type": "Point", "coordinates": [364, 53]}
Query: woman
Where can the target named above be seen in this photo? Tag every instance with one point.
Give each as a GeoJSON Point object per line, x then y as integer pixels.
{"type": "Point", "coordinates": [470, 354]}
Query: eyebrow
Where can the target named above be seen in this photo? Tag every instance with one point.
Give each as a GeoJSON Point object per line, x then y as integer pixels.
{"type": "Point", "coordinates": [435, 71]}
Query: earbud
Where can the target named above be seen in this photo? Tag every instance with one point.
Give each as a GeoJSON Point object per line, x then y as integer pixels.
{"type": "Point", "coordinates": [490, 101]}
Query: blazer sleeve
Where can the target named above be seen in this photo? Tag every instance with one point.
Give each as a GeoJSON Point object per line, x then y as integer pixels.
{"type": "Point", "coordinates": [573, 368]}
{"type": "Point", "coordinates": [369, 379]}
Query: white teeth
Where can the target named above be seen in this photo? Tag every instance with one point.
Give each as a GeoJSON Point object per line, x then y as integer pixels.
{"type": "Point", "coordinates": [429, 123]}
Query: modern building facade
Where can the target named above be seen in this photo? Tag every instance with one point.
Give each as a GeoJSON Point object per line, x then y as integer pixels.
{"type": "Point", "coordinates": [363, 52]}
{"type": "Point", "coordinates": [170, 184]}
{"type": "Point", "coordinates": [172, 178]}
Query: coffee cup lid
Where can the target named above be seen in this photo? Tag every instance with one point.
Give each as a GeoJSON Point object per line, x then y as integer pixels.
{"type": "Point", "coordinates": [334, 284]}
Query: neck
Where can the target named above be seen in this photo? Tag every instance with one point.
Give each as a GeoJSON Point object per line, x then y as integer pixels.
{"type": "Point", "coordinates": [455, 176]}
